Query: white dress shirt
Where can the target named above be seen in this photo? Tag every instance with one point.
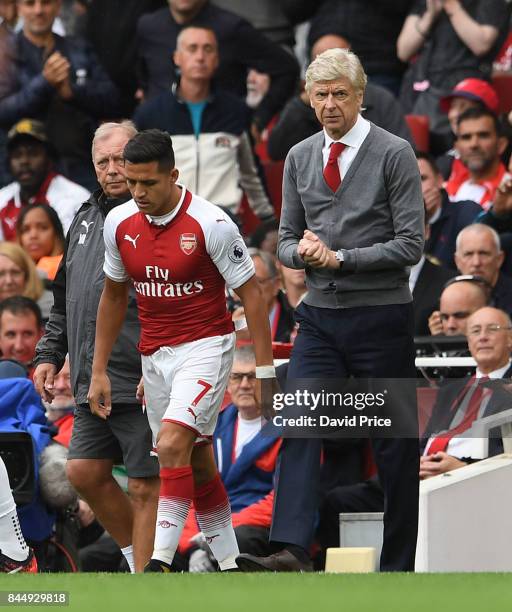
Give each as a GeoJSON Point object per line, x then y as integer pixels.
{"type": "Point", "coordinates": [352, 140]}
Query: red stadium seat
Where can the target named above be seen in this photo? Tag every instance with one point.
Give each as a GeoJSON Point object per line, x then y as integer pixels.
{"type": "Point", "coordinates": [503, 85]}
{"type": "Point", "coordinates": [426, 397]}
{"type": "Point", "coordinates": [274, 177]}
{"type": "Point", "coordinates": [419, 126]}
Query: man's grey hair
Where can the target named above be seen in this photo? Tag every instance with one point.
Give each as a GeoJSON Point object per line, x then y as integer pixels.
{"type": "Point", "coordinates": [245, 354]}
{"type": "Point", "coordinates": [106, 129]}
{"type": "Point", "coordinates": [268, 260]}
{"type": "Point", "coordinates": [335, 64]}
{"type": "Point", "coordinates": [477, 228]}
{"type": "Point", "coordinates": [197, 26]}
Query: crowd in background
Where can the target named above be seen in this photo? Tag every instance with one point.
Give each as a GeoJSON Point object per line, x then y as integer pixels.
{"type": "Point", "coordinates": [434, 68]}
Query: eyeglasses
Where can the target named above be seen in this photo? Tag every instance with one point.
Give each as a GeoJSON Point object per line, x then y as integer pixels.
{"type": "Point", "coordinates": [237, 377]}
{"type": "Point", "coordinates": [492, 329]}
{"type": "Point", "coordinates": [104, 162]}
{"type": "Point", "coordinates": [462, 314]}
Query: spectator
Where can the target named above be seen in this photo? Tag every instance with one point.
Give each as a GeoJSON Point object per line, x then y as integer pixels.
{"type": "Point", "coordinates": [499, 215]}
{"type": "Point", "coordinates": [426, 281]}
{"type": "Point", "coordinates": [96, 443]}
{"type": "Point", "coordinates": [241, 47]}
{"type": "Point", "coordinates": [459, 300]}
{"type": "Point", "coordinates": [469, 93]}
{"type": "Point", "coordinates": [31, 162]}
{"type": "Point", "coordinates": [294, 284]}
{"type": "Point", "coordinates": [479, 144]}
{"type": "Point", "coordinates": [18, 276]}
{"type": "Point", "coordinates": [264, 237]}
{"type": "Point", "coordinates": [298, 120]}
{"type": "Point", "coordinates": [454, 40]}
{"type": "Point", "coordinates": [280, 312]}
{"type": "Point", "coordinates": [447, 443]}
{"type": "Point", "coordinates": [111, 28]}
{"type": "Point", "coordinates": [21, 326]}
{"type": "Point", "coordinates": [8, 14]}
{"type": "Point", "coordinates": [445, 218]}
{"type": "Point", "coordinates": [267, 16]}
{"type": "Point", "coordinates": [210, 128]}
{"type": "Point", "coordinates": [478, 252]}
{"type": "Point", "coordinates": [246, 459]}
{"type": "Point", "coordinates": [59, 81]}
{"type": "Point", "coordinates": [372, 32]}
{"type": "Point", "coordinates": [39, 232]}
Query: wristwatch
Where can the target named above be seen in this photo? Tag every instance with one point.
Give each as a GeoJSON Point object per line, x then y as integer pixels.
{"type": "Point", "coordinates": [339, 257]}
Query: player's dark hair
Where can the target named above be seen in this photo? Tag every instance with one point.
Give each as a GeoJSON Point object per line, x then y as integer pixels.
{"type": "Point", "coordinates": [150, 146]}
{"type": "Point", "coordinates": [21, 305]}
{"type": "Point", "coordinates": [478, 113]}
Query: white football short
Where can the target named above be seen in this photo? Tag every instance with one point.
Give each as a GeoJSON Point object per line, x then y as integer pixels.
{"type": "Point", "coordinates": [185, 384]}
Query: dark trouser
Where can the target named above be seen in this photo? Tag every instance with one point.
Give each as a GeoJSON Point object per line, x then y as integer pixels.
{"type": "Point", "coordinates": [367, 342]}
{"type": "Point", "coordinates": [253, 540]}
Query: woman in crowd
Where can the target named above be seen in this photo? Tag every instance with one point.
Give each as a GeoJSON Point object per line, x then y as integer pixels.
{"type": "Point", "coordinates": [39, 231]}
{"type": "Point", "coordinates": [18, 276]}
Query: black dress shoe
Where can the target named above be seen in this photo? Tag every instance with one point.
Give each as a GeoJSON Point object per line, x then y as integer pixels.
{"type": "Point", "coordinates": [282, 561]}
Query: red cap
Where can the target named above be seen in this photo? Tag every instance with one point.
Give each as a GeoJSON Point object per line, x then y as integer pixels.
{"type": "Point", "coordinates": [473, 89]}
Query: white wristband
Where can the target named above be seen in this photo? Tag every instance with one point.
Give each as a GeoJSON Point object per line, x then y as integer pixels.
{"type": "Point", "coordinates": [267, 371]}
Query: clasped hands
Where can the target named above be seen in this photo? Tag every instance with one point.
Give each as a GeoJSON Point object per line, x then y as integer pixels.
{"type": "Point", "coordinates": [315, 253]}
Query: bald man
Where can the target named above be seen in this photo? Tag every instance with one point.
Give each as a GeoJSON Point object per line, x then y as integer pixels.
{"type": "Point", "coordinates": [458, 301]}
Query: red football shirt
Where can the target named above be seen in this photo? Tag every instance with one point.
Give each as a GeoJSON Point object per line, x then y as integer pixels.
{"type": "Point", "coordinates": [179, 269]}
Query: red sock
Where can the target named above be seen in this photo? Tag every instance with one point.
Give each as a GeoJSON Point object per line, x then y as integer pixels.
{"type": "Point", "coordinates": [176, 491]}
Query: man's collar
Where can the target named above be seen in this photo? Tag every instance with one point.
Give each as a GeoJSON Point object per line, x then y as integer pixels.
{"type": "Point", "coordinates": [354, 137]}
{"type": "Point", "coordinates": [499, 373]}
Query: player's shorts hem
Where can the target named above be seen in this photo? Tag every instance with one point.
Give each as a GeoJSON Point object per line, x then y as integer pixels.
{"type": "Point", "coordinates": [187, 426]}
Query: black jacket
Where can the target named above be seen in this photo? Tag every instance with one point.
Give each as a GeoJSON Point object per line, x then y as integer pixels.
{"type": "Point", "coordinates": [427, 291]}
{"type": "Point", "coordinates": [240, 46]}
{"type": "Point", "coordinates": [442, 414]}
{"type": "Point", "coordinates": [72, 325]}
{"type": "Point", "coordinates": [455, 216]}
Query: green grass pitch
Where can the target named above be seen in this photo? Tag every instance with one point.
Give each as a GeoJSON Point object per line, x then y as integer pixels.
{"type": "Point", "coordinates": [271, 592]}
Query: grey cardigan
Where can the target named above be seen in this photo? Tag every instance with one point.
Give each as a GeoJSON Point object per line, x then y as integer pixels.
{"type": "Point", "coordinates": [375, 217]}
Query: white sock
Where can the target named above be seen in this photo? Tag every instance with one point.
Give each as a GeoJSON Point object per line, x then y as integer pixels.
{"type": "Point", "coordinates": [128, 555]}
{"type": "Point", "coordinates": [171, 516]}
{"type": "Point", "coordinates": [220, 536]}
{"type": "Point", "coordinates": [12, 542]}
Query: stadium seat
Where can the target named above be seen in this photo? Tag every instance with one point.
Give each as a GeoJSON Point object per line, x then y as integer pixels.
{"type": "Point", "coordinates": [503, 85]}
{"type": "Point", "coordinates": [426, 398]}
{"type": "Point", "coordinates": [274, 176]}
{"type": "Point", "coordinates": [419, 126]}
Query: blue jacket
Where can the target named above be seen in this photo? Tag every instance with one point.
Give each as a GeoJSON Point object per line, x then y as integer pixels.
{"type": "Point", "coordinates": [245, 482]}
{"type": "Point", "coordinates": [21, 410]}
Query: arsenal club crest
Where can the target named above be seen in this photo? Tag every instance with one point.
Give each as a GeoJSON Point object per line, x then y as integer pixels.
{"type": "Point", "coordinates": [188, 243]}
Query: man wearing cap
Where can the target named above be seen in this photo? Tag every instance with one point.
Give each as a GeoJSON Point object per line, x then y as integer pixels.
{"type": "Point", "coordinates": [469, 93]}
{"type": "Point", "coordinates": [480, 144]}
{"type": "Point", "coordinates": [31, 162]}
